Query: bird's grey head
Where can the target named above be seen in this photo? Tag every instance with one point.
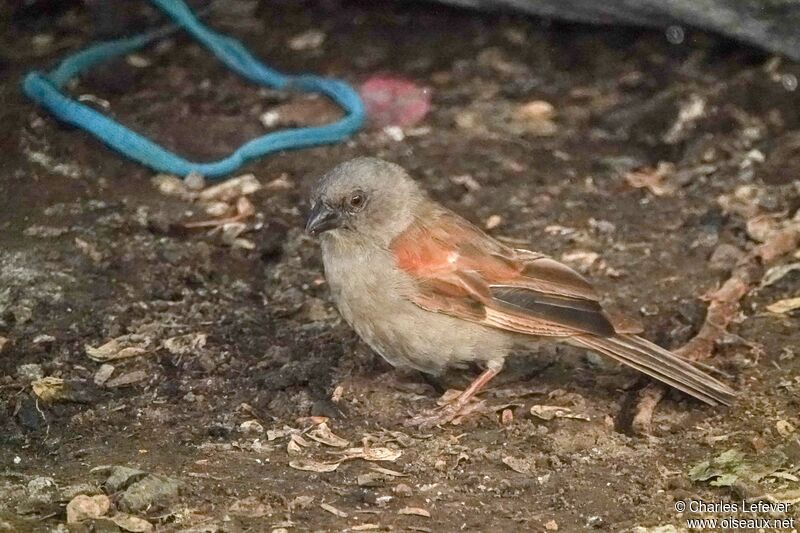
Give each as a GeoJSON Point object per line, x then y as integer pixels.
{"type": "Point", "coordinates": [365, 198]}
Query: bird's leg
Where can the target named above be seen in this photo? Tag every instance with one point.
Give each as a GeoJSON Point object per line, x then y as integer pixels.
{"type": "Point", "coordinates": [475, 387]}
{"type": "Point", "coordinates": [458, 407]}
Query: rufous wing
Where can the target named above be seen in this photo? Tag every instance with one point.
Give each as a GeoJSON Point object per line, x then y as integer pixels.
{"type": "Point", "coordinates": [461, 271]}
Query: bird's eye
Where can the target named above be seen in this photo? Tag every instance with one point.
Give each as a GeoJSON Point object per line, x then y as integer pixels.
{"type": "Point", "coordinates": [356, 201]}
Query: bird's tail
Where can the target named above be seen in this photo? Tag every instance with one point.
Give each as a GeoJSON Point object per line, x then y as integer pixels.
{"type": "Point", "coordinates": [660, 364]}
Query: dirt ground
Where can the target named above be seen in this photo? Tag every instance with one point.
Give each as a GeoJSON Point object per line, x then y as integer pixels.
{"type": "Point", "coordinates": [239, 346]}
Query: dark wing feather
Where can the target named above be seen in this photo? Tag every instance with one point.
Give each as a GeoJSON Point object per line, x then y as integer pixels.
{"type": "Point", "coordinates": [582, 315]}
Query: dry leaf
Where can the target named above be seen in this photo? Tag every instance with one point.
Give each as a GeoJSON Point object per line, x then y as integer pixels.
{"type": "Point", "coordinates": [300, 502]}
{"type": "Point", "coordinates": [371, 479]}
{"type": "Point", "coordinates": [655, 180]}
{"type": "Point", "coordinates": [365, 527]}
{"type": "Point", "coordinates": [249, 507]}
{"type": "Point", "coordinates": [372, 454]}
{"type": "Point", "coordinates": [324, 435]}
{"type": "Point", "coordinates": [774, 274]}
{"type": "Point", "coordinates": [218, 209]}
{"type": "Point", "coordinates": [333, 510]}
{"type": "Point", "coordinates": [784, 428]}
{"type": "Point", "coordinates": [784, 306]}
{"type": "Point", "coordinates": [186, 344]}
{"type": "Point", "coordinates": [416, 511]}
{"type": "Point", "coordinates": [466, 181]}
{"type": "Point", "coordinates": [281, 183]}
{"type": "Point", "coordinates": [119, 348]}
{"type": "Point", "coordinates": [273, 434]}
{"type": "Point", "coordinates": [761, 227]}
{"type": "Point", "coordinates": [313, 466]}
{"type": "Point", "coordinates": [381, 454]}
{"type": "Point", "coordinates": [132, 523]}
{"type": "Point", "coordinates": [231, 189]}
{"type": "Point", "coordinates": [89, 249]}
{"type": "Point", "coordinates": [252, 427]}
{"type": "Point", "coordinates": [172, 186]}
{"type": "Point", "coordinates": [582, 259]}
{"type": "Point", "coordinates": [312, 420]}
{"type": "Point", "coordinates": [245, 208]}
{"type": "Point", "coordinates": [785, 475]}
{"type": "Point", "coordinates": [522, 466]}
{"type": "Point", "coordinates": [549, 412]}
{"type": "Point", "coordinates": [338, 392]}
{"type": "Point", "coordinates": [297, 438]}
{"type": "Point", "coordinates": [48, 389]}
{"type": "Point", "coordinates": [387, 471]}
{"type": "Point", "coordinates": [791, 496]}
{"type": "Point", "coordinates": [293, 447]}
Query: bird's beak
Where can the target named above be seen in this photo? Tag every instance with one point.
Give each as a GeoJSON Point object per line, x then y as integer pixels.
{"type": "Point", "coordinates": [322, 219]}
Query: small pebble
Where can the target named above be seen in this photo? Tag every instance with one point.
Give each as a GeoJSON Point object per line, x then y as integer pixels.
{"type": "Point", "coordinates": [725, 257]}
{"type": "Point", "coordinates": [30, 372]}
{"type": "Point", "coordinates": [308, 40]}
{"type": "Point", "coordinates": [194, 181]}
{"type": "Point", "coordinates": [401, 489]}
{"type": "Point", "coordinates": [42, 489]}
{"type": "Point", "coordinates": [103, 374]}
{"type": "Point", "coordinates": [493, 221]}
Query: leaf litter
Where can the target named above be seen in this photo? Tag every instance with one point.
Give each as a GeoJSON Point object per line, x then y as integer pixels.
{"type": "Point", "coordinates": [778, 272]}
{"type": "Point", "coordinates": [333, 510]}
{"type": "Point", "coordinates": [323, 434]}
{"type": "Point", "coordinates": [549, 412]}
{"type": "Point", "coordinates": [784, 306]}
{"type": "Point", "coordinates": [123, 347]}
{"type": "Point", "coordinates": [732, 466]}
{"type": "Point", "coordinates": [310, 465]}
{"type": "Point", "coordinates": [416, 511]}
{"type": "Point", "coordinates": [49, 389]}
{"type": "Point", "coordinates": [371, 454]}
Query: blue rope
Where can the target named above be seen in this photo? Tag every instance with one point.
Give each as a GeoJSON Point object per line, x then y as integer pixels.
{"type": "Point", "coordinates": [44, 89]}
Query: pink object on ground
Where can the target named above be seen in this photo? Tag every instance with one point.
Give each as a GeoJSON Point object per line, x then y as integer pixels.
{"type": "Point", "coordinates": [392, 101]}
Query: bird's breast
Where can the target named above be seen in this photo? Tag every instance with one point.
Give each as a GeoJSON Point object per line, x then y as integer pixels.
{"type": "Point", "coordinates": [371, 295]}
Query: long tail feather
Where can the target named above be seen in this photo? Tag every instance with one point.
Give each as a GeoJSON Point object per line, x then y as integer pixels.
{"type": "Point", "coordinates": [660, 364]}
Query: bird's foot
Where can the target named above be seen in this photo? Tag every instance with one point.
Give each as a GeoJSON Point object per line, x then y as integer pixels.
{"type": "Point", "coordinates": [450, 413]}
{"type": "Point", "coordinates": [455, 404]}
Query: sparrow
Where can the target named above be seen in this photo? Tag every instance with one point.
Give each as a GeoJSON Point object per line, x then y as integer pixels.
{"type": "Point", "coordinates": [428, 290]}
